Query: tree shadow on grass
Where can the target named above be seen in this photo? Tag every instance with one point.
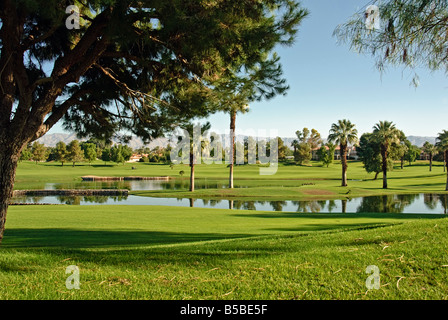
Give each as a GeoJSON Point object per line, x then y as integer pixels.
{"type": "Point", "coordinates": [330, 227]}
{"type": "Point", "coordinates": [75, 238]}
{"type": "Point", "coordinates": [423, 176]}
{"type": "Point", "coordinates": [319, 215]}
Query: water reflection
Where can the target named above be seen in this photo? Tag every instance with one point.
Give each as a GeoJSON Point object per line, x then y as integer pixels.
{"type": "Point", "coordinates": [410, 203]}
{"type": "Point", "coordinates": [138, 185]}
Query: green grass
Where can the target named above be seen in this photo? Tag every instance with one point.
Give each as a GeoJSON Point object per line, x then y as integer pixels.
{"type": "Point", "coordinates": [187, 253]}
{"type": "Point", "coordinates": [157, 252]}
{"type": "Point", "coordinates": [289, 183]}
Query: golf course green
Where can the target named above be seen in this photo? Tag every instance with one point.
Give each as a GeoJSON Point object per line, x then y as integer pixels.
{"type": "Point", "coordinates": [161, 252]}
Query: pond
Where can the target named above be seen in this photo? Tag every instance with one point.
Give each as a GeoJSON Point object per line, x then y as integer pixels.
{"type": "Point", "coordinates": [133, 185]}
{"type": "Point", "coordinates": [172, 184]}
{"type": "Point", "coordinates": [409, 203]}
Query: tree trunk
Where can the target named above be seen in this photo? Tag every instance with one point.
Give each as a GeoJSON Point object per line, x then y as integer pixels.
{"type": "Point", "coordinates": [232, 146]}
{"type": "Point", "coordinates": [430, 162]}
{"type": "Point", "coordinates": [8, 165]}
{"type": "Point", "coordinates": [191, 172]}
{"type": "Point", "coordinates": [384, 165]}
{"type": "Point", "coordinates": [446, 160]}
{"type": "Point", "coordinates": [344, 206]}
{"type": "Point", "coordinates": [445, 204]}
{"type": "Point", "coordinates": [376, 175]}
{"type": "Point", "coordinates": [344, 164]}
{"type": "Point", "coordinates": [402, 162]}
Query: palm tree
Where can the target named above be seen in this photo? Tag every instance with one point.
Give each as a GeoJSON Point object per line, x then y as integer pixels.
{"type": "Point", "coordinates": [385, 133]}
{"type": "Point", "coordinates": [429, 149]}
{"type": "Point", "coordinates": [233, 111]}
{"type": "Point", "coordinates": [343, 133]}
{"type": "Point", "coordinates": [442, 145]}
{"type": "Point", "coordinates": [193, 149]}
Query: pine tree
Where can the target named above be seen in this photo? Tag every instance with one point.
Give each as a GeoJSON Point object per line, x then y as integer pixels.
{"type": "Point", "coordinates": [141, 66]}
{"type": "Point", "coordinates": [38, 152]}
{"type": "Point", "coordinates": [61, 152]}
{"type": "Point", "coordinates": [74, 152]}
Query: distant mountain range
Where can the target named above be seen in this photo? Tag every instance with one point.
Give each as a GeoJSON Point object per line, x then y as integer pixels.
{"type": "Point", "coordinates": [50, 140]}
{"type": "Point", "coordinates": [419, 141]}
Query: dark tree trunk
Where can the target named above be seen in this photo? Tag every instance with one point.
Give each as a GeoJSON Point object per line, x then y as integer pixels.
{"type": "Point", "coordinates": [446, 163]}
{"type": "Point", "coordinates": [232, 146]}
{"type": "Point", "coordinates": [376, 175]}
{"type": "Point", "coordinates": [384, 164]}
{"type": "Point", "coordinates": [445, 204]}
{"type": "Point", "coordinates": [9, 157]}
{"type": "Point", "coordinates": [343, 150]}
{"type": "Point", "coordinates": [191, 172]}
{"type": "Point", "coordinates": [430, 162]}
{"type": "Point", "coordinates": [402, 162]}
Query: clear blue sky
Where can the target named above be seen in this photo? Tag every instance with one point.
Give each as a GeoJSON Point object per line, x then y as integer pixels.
{"type": "Point", "coordinates": [328, 82]}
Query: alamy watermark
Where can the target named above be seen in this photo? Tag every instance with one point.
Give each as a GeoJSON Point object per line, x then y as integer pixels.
{"type": "Point", "coordinates": [72, 281]}
{"type": "Point", "coordinates": [373, 281]}
{"type": "Point", "coordinates": [372, 17]}
{"type": "Point", "coordinates": [72, 21]}
{"type": "Point", "coordinates": [212, 148]}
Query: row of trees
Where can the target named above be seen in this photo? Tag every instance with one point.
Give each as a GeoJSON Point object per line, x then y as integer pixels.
{"type": "Point", "coordinates": [379, 148]}
{"type": "Point", "coordinates": [237, 152]}
{"type": "Point", "coordinates": [370, 154]}
{"type": "Point", "coordinates": [75, 152]}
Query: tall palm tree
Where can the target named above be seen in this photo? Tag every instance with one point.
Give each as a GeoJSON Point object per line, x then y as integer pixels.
{"type": "Point", "coordinates": [385, 133]}
{"type": "Point", "coordinates": [194, 149]}
{"type": "Point", "coordinates": [233, 111]}
{"type": "Point", "coordinates": [442, 145]}
{"type": "Point", "coordinates": [343, 133]}
{"type": "Point", "coordinates": [429, 149]}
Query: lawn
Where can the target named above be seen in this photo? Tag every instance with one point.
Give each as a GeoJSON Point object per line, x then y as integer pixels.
{"type": "Point", "coordinates": [159, 252]}
{"type": "Point", "coordinates": [186, 253]}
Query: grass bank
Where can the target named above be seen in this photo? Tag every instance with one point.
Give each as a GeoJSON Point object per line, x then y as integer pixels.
{"type": "Point", "coordinates": [188, 253]}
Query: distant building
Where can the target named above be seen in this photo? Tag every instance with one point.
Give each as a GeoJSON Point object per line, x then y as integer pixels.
{"type": "Point", "coordinates": [136, 157]}
{"type": "Point", "coordinates": [351, 153]}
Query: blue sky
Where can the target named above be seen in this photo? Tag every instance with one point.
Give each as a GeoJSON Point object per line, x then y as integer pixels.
{"type": "Point", "coordinates": [328, 82]}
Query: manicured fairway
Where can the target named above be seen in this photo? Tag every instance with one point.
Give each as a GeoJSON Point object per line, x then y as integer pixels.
{"type": "Point", "coordinates": [290, 181]}
{"type": "Point", "coordinates": [159, 252]}
{"type": "Point", "coordinates": [188, 253]}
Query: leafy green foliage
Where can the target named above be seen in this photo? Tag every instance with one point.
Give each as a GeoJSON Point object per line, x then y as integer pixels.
{"type": "Point", "coordinates": [61, 152]}
{"type": "Point", "coordinates": [120, 153]}
{"type": "Point", "coordinates": [369, 152]}
{"type": "Point", "coordinates": [306, 141]}
{"type": "Point", "coordinates": [146, 66]}
{"type": "Point", "coordinates": [74, 152]}
{"type": "Point", "coordinates": [90, 152]}
{"type": "Point", "coordinates": [38, 152]}
{"type": "Point", "coordinates": [326, 154]}
{"type": "Point", "coordinates": [412, 153]}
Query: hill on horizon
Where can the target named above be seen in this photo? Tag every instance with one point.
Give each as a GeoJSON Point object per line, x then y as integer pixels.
{"type": "Point", "coordinates": [50, 140]}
